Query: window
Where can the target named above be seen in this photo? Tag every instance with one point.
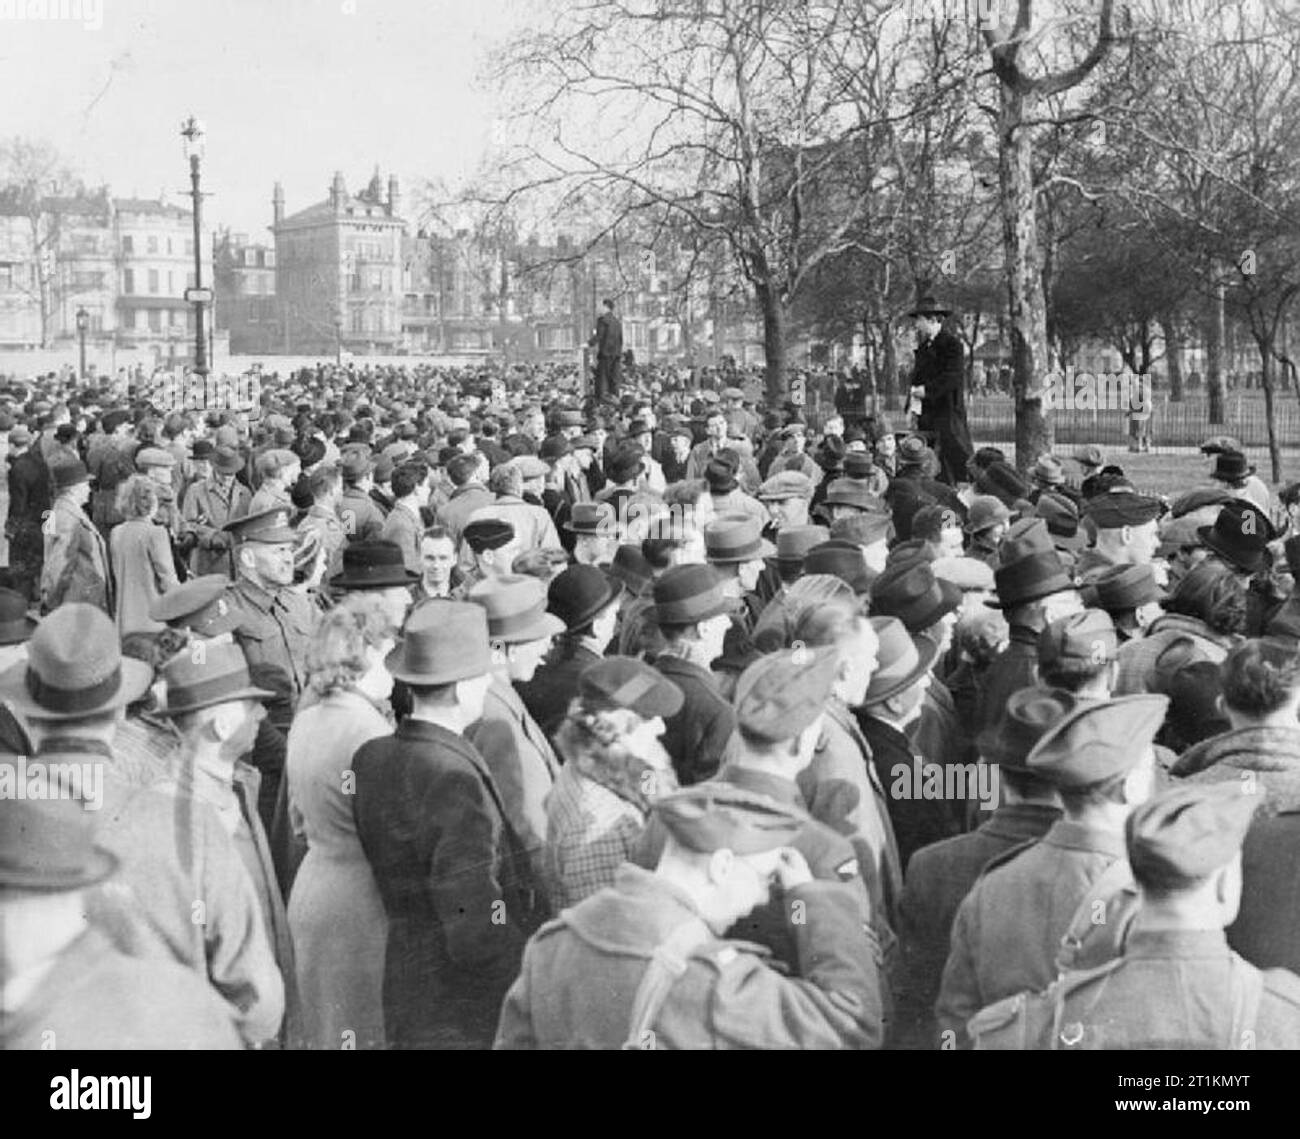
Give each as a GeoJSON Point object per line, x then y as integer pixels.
{"type": "Point", "coordinates": [128, 244]}
{"type": "Point", "coordinates": [171, 283]}
{"type": "Point", "coordinates": [151, 243]}
{"type": "Point", "coordinates": [169, 247]}
{"type": "Point", "coordinates": [189, 247]}
{"type": "Point", "coordinates": [128, 281]}
{"type": "Point", "coordinates": [141, 320]}
{"type": "Point", "coordinates": [155, 320]}
{"type": "Point", "coordinates": [153, 281]}
{"type": "Point", "coordinates": [6, 276]}
{"type": "Point", "coordinates": [178, 318]}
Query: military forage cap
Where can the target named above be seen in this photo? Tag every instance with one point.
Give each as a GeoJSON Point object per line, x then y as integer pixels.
{"type": "Point", "coordinates": [269, 525]}
{"type": "Point", "coordinates": [1085, 636]}
{"type": "Point", "coordinates": [780, 694]}
{"type": "Point", "coordinates": [199, 605]}
{"type": "Point", "coordinates": [1098, 740]}
{"type": "Point", "coordinates": [717, 816]}
{"type": "Point", "coordinates": [1183, 835]}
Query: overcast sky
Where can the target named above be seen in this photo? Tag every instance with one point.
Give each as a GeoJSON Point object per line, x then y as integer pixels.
{"type": "Point", "coordinates": [287, 89]}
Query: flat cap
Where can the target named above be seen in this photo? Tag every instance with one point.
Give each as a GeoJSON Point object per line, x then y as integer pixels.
{"type": "Point", "coordinates": [1088, 635]}
{"type": "Point", "coordinates": [1098, 740]}
{"type": "Point", "coordinates": [529, 466]}
{"type": "Point", "coordinates": [269, 525]}
{"type": "Point", "coordinates": [624, 682]}
{"type": "Point", "coordinates": [1090, 456]}
{"type": "Point", "coordinates": [1122, 508]}
{"type": "Point", "coordinates": [781, 693]}
{"type": "Point", "coordinates": [487, 534]}
{"type": "Point", "coordinates": [198, 605]}
{"type": "Point", "coordinates": [1184, 835]}
{"type": "Point", "coordinates": [786, 484]}
{"type": "Point", "coordinates": [717, 816]}
{"type": "Point", "coordinates": [153, 457]}
{"type": "Point", "coordinates": [965, 573]}
{"type": "Point", "coordinates": [851, 492]}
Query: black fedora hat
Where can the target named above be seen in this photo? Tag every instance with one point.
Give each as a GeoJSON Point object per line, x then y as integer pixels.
{"type": "Point", "coordinates": [373, 565]}
{"type": "Point", "coordinates": [16, 625]}
{"type": "Point", "coordinates": [631, 567]}
{"type": "Point", "coordinates": [1029, 578]}
{"type": "Point", "coordinates": [578, 593]}
{"type": "Point", "coordinates": [1231, 466]}
{"type": "Point", "coordinates": [841, 559]}
{"type": "Point", "coordinates": [1240, 535]}
{"type": "Point", "coordinates": [217, 676]}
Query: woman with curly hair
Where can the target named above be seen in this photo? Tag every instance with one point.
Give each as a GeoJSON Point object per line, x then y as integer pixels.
{"type": "Point", "coordinates": [336, 917]}
{"type": "Point", "coordinates": [615, 766]}
{"type": "Point", "coordinates": [140, 553]}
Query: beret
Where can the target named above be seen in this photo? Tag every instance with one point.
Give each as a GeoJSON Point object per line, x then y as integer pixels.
{"type": "Point", "coordinates": [1183, 835]}
{"type": "Point", "coordinates": [718, 816]}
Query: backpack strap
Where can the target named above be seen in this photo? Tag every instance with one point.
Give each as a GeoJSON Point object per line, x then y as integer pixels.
{"type": "Point", "coordinates": [1109, 882]}
{"type": "Point", "coordinates": [667, 964]}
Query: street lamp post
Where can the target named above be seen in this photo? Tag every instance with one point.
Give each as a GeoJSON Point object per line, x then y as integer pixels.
{"type": "Point", "coordinates": [192, 133]}
{"type": "Point", "coordinates": [83, 323]}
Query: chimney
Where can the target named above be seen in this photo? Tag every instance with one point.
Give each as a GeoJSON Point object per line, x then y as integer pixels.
{"type": "Point", "coordinates": [394, 197]}
{"type": "Point", "coordinates": [277, 204]}
{"type": "Point", "coordinates": [338, 192]}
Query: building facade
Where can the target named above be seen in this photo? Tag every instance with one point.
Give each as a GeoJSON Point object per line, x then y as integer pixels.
{"type": "Point", "coordinates": [247, 308]}
{"type": "Point", "coordinates": [339, 271]}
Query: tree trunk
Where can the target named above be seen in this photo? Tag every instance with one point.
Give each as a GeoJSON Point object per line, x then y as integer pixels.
{"type": "Point", "coordinates": [1028, 306]}
{"type": "Point", "coordinates": [889, 369]}
{"type": "Point", "coordinates": [1174, 354]}
{"type": "Point", "coordinates": [774, 317]}
{"type": "Point", "coordinates": [1214, 358]}
{"type": "Point", "coordinates": [1268, 372]}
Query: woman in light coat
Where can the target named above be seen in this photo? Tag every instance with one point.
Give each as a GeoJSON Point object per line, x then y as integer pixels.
{"type": "Point", "coordinates": [336, 916]}
{"type": "Point", "coordinates": [141, 555]}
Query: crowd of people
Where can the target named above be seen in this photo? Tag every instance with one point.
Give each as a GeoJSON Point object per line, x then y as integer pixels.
{"type": "Point", "coordinates": [447, 708]}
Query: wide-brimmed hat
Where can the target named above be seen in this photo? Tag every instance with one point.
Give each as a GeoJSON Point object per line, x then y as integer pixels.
{"type": "Point", "coordinates": [74, 668]}
{"type": "Point", "coordinates": [597, 518]}
{"type": "Point", "coordinates": [48, 844]}
{"type": "Point", "coordinates": [843, 560]}
{"type": "Point", "coordinates": [516, 609]}
{"type": "Point", "coordinates": [218, 675]}
{"type": "Point", "coordinates": [227, 460]}
{"type": "Point", "coordinates": [1122, 587]}
{"type": "Point", "coordinates": [851, 492]}
{"type": "Point", "coordinates": [686, 595]}
{"type": "Point", "coordinates": [901, 659]}
{"type": "Point", "coordinates": [442, 642]}
{"type": "Point", "coordinates": [1231, 466]}
{"type": "Point", "coordinates": [985, 510]}
{"type": "Point", "coordinates": [631, 567]}
{"type": "Point", "coordinates": [1240, 535]}
{"type": "Point", "coordinates": [578, 593]}
{"type": "Point", "coordinates": [16, 625]}
{"type": "Point", "coordinates": [67, 474]}
{"type": "Point", "coordinates": [373, 565]}
{"type": "Point", "coordinates": [1029, 578]}
{"type": "Point", "coordinates": [794, 542]}
{"type": "Point", "coordinates": [729, 540]}
{"type": "Point", "coordinates": [910, 592]}
{"type": "Point", "coordinates": [1062, 518]}
{"type": "Point", "coordinates": [928, 306]}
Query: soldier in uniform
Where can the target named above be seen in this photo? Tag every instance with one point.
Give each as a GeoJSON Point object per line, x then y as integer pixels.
{"type": "Point", "coordinates": [644, 964]}
{"type": "Point", "coordinates": [1177, 984]}
{"type": "Point", "coordinates": [781, 705]}
{"type": "Point", "coordinates": [1032, 913]}
{"type": "Point", "coordinates": [940, 875]}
